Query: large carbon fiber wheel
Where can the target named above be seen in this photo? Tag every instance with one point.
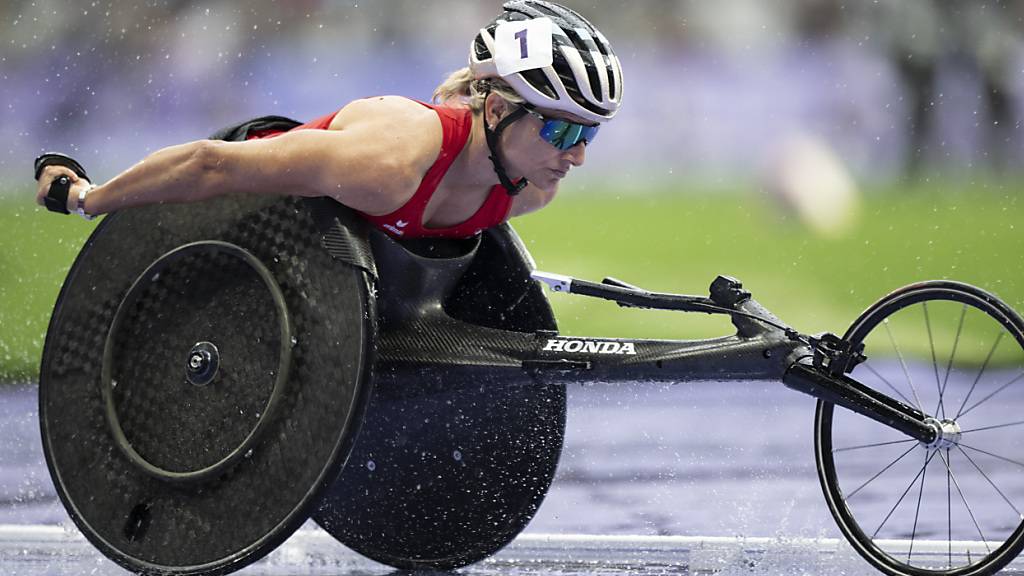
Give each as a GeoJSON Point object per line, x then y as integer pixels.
{"type": "Point", "coordinates": [203, 377]}
{"type": "Point", "coordinates": [451, 465]}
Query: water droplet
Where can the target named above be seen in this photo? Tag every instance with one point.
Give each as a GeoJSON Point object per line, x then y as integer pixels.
{"type": "Point", "coordinates": [370, 465]}
{"type": "Point", "coordinates": [457, 455]}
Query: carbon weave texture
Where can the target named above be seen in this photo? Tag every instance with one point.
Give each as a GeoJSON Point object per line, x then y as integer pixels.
{"type": "Point", "coordinates": [344, 234]}
{"type": "Point", "coordinates": [442, 341]}
{"type": "Point", "coordinates": [457, 450]}
{"type": "Point", "coordinates": [225, 523]}
{"type": "Point", "coordinates": [179, 426]}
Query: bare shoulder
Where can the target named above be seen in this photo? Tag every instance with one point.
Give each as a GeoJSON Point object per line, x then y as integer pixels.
{"type": "Point", "coordinates": [377, 108]}
{"type": "Point", "coordinates": [403, 133]}
{"type": "Point", "coordinates": [407, 129]}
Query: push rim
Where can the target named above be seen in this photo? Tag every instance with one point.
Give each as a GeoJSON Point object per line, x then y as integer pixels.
{"type": "Point", "coordinates": [952, 506]}
{"type": "Point", "coordinates": [203, 360]}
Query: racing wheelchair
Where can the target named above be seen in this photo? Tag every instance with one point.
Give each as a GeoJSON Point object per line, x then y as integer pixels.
{"type": "Point", "coordinates": [215, 374]}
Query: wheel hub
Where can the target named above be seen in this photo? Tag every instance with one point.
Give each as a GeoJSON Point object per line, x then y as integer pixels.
{"type": "Point", "coordinates": [947, 433]}
{"type": "Point", "coordinates": [203, 363]}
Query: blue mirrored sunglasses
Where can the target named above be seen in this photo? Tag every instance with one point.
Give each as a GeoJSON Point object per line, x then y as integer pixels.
{"type": "Point", "coordinates": [563, 134]}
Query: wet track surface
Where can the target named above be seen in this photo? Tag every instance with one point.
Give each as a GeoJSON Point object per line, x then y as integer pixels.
{"type": "Point", "coordinates": [709, 459]}
{"type": "Point", "coordinates": [50, 550]}
{"type": "Point", "coordinates": [696, 478]}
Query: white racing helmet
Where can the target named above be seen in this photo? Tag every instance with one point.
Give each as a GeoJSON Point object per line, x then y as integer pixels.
{"type": "Point", "coordinates": [552, 57]}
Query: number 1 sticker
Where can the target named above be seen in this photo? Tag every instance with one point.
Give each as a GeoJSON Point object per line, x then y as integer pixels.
{"type": "Point", "coordinates": [521, 36]}
{"type": "Point", "coordinates": [522, 45]}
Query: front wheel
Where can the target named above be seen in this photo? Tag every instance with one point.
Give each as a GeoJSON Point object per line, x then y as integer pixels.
{"type": "Point", "coordinates": [952, 506]}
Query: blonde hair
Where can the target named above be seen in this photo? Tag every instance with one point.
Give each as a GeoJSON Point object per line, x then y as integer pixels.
{"type": "Point", "coordinates": [461, 89]}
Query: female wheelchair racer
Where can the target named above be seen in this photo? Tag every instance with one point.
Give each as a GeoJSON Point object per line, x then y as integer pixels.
{"type": "Point", "coordinates": [268, 359]}
{"type": "Point", "coordinates": [227, 475]}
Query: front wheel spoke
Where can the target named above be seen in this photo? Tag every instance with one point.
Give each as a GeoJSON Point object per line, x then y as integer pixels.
{"type": "Point", "coordinates": [903, 364]}
{"type": "Point", "coordinates": [880, 472]}
{"type": "Point", "coordinates": [997, 391]}
{"type": "Point", "coordinates": [991, 483]}
{"type": "Point", "coordinates": [862, 446]}
{"type": "Point", "coordinates": [917, 513]}
{"type": "Point", "coordinates": [949, 515]}
{"type": "Point", "coordinates": [984, 366]}
{"type": "Point", "coordinates": [1007, 425]}
{"type": "Point", "coordinates": [902, 496]}
{"type": "Point", "coordinates": [889, 384]}
{"type": "Point", "coordinates": [964, 499]}
{"type": "Point", "coordinates": [956, 342]}
{"type": "Point", "coordinates": [935, 363]}
{"type": "Point", "coordinates": [987, 453]}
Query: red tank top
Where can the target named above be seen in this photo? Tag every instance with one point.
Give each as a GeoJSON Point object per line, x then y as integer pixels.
{"type": "Point", "coordinates": [407, 221]}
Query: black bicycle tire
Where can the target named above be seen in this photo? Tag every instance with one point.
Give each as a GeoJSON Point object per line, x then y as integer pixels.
{"type": "Point", "coordinates": [885, 307]}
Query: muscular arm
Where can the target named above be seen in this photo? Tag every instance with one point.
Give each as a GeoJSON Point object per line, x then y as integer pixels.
{"type": "Point", "coordinates": [170, 175]}
{"type": "Point", "coordinates": [371, 165]}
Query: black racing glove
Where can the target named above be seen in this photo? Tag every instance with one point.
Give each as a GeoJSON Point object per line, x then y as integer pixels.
{"type": "Point", "coordinates": [56, 199]}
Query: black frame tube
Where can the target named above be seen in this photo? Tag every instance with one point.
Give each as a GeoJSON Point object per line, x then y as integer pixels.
{"type": "Point", "coordinates": [568, 359]}
{"type": "Point", "coordinates": [554, 359]}
{"type": "Point", "coordinates": [844, 391]}
{"type": "Point", "coordinates": [418, 336]}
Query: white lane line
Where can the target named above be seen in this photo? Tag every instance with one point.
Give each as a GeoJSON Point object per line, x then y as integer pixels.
{"type": "Point", "coordinates": [311, 546]}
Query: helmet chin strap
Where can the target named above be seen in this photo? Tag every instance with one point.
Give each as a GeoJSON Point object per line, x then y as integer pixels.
{"type": "Point", "coordinates": [493, 137]}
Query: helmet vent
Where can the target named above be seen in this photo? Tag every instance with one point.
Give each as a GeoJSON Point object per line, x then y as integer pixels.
{"type": "Point", "coordinates": [601, 46]}
{"type": "Point", "coordinates": [539, 81]}
{"type": "Point", "coordinates": [574, 93]}
{"type": "Point", "coordinates": [586, 47]}
{"type": "Point", "coordinates": [480, 47]}
{"type": "Point", "coordinates": [613, 91]}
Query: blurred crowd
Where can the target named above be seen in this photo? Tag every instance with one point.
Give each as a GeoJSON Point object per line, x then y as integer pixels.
{"type": "Point", "coordinates": [713, 89]}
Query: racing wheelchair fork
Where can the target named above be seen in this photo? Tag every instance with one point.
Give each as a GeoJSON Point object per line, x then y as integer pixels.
{"type": "Point", "coordinates": [763, 349]}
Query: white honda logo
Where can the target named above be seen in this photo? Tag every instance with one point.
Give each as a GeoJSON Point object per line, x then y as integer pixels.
{"type": "Point", "coordinates": [590, 347]}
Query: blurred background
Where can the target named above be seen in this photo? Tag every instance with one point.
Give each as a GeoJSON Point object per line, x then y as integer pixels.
{"type": "Point", "coordinates": [824, 152]}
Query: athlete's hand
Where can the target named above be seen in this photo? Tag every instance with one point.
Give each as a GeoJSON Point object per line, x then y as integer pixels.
{"type": "Point", "coordinates": [51, 173]}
